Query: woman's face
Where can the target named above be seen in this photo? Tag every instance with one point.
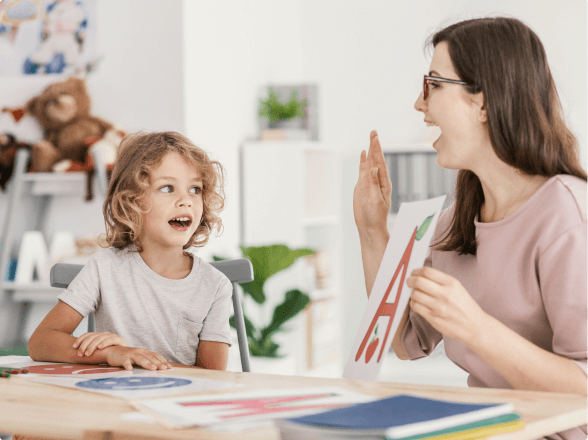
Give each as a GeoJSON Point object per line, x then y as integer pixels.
{"type": "Point", "coordinates": [458, 114]}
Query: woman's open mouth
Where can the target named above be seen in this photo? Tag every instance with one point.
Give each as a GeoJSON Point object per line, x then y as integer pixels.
{"type": "Point", "coordinates": [180, 223]}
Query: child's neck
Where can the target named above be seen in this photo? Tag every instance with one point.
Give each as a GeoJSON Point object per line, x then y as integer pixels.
{"type": "Point", "coordinates": [169, 263]}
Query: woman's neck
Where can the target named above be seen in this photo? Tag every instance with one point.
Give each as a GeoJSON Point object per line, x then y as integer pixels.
{"type": "Point", "coordinates": [505, 190]}
{"type": "Point", "coordinates": [171, 263]}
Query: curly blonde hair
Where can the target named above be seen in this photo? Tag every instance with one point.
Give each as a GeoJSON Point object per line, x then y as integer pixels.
{"type": "Point", "coordinates": [140, 152]}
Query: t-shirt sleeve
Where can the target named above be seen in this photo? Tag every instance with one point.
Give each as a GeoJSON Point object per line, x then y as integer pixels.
{"type": "Point", "coordinates": [562, 276]}
{"type": "Point", "coordinates": [83, 293]}
{"type": "Point", "coordinates": [216, 324]}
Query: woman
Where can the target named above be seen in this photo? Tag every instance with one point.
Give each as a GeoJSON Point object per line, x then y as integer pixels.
{"type": "Point", "coordinates": [504, 285]}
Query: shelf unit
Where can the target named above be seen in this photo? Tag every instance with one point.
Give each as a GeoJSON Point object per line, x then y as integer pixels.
{"type": "Point", "coordinates": [43, 186]}
{"type": "Point", "coordinates": [415, 175]}
{"type": "Point", "coordinates": [289, 195]}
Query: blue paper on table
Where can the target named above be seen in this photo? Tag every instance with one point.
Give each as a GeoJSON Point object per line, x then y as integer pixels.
{"type": "Point", "coordinates": [401, 416]}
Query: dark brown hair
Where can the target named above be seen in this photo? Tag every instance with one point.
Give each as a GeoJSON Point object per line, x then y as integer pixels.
{"type": "Point", "coordinates": [505, 60]}
{"type": "Point", "coordinates": [139, 153]}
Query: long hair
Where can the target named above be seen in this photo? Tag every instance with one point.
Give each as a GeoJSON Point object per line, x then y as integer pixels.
{"type": "Point", "coordinates": [505, 60]}
{"type": "Point", "coordinates": [129, 184]}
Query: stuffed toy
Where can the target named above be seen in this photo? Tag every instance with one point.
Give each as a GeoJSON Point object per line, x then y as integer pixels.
{"type": "Point", "coordinates": [8, 149]}
{"type": "Point", "coordinates": [71, 134]}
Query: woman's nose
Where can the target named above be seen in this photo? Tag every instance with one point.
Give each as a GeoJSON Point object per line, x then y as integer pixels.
{"type": "Point", "coordinates": [420, 103]}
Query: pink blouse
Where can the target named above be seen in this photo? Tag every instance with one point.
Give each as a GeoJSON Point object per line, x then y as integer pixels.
{"type": "Point", "coordinates": [529, 273]}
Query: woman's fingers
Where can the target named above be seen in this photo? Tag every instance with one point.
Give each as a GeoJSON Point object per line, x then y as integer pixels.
{"type": "Point", "coordinates": [423, 284]}
{"type": "Point", "coordinates": [362, 162]}
{"type": "Point", "coordinates": [434, 275]}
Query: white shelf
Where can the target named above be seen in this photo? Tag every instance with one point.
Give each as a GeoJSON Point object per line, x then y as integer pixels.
{"type": "Point", "coordinates": [36, 291]}
{"type": "Point", "coordinates": [408, 148]}
{"type": "Point", "coordinates": [35, 286]}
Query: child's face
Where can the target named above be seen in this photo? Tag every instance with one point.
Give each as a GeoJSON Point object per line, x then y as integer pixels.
{"type": "Point", "coordinates": [174, 202]}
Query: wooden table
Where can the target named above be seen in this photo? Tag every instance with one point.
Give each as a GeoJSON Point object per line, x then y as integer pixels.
{"type": "Point", "coordinates": [36, 409]}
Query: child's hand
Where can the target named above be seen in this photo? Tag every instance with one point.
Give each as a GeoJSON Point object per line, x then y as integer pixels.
{"type": "Point", "coordinates": [88, 343]}
{"type": "Point", "coordinates": [118, 356]}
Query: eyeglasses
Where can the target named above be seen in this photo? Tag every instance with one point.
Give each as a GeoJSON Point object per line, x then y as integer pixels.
{"type": "Point", "coordinates": [438, 79]}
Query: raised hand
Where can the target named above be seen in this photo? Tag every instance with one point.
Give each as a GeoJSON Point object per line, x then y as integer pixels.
{"type": "Point", "coordinates": [373, 190]}
{"type": "Point", "coordinates": [88, 343]}
{"type": "Point", "coordinates": [119, 356]}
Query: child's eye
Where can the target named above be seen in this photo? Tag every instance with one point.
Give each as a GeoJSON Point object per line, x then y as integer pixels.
{"type": "Point", "coordinates": [195, 190]}
{"type": "Point", "coordinates": [167, 189]}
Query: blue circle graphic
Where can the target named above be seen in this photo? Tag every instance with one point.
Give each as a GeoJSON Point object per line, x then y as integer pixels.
{"type": "Point", "coordinates": [133, 383]}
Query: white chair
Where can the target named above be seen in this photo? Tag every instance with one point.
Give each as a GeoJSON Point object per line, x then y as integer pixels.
{"type": "Point", "coordinates": [237, 271]}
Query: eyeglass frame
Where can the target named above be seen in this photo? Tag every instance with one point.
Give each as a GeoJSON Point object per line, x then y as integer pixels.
{"type": "Point", "coordinates": [438, 79]}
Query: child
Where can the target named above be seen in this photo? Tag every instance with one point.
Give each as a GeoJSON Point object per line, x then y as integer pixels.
{"type": "Point", "coordinates": [155, 302]}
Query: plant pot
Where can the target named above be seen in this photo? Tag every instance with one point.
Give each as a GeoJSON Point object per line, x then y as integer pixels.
{"type": "Point", "coordinates": [288, 124]}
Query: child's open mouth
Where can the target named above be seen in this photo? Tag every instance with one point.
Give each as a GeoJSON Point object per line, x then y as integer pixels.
{"type": "Point", "coordinates": [180, 223]}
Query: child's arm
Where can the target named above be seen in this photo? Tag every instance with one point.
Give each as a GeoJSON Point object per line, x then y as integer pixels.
{"type": "Point", "coordinates": [52, 341]}
{"type": "Point", "coordinates": [212, 355]}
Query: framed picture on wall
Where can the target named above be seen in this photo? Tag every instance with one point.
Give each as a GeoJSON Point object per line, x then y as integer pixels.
{"type": "Point", "coordinates": [47, 36]}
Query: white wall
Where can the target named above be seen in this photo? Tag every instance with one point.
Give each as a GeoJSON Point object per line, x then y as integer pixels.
{"type": "Point", "coordinates": [368, 60]}
{"type": "Point", "coordinates": [138, 84]}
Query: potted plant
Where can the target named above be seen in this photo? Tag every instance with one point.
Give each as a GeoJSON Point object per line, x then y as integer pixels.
{"type": "Point", "coordinates": [268, 261]}
{"type": "Point", "coordinates": [275, 111]}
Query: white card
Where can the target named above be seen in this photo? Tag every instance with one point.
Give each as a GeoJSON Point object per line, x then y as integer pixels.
{"type": "Point", "coordinates": [247, 410]}
{"type": "Point", "coordinates": [407, 250]}
{"type": "Point", "coordinates": [138, 386]}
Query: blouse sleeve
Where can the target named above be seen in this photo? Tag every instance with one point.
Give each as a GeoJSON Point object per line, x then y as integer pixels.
{"type": "Point", "coordinates": [562, 276]}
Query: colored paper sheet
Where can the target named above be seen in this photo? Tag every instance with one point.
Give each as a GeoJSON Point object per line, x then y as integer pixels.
{"type": "Point", "coordinates": [481, 433]}
{"type": "Point", "coordinates": [247, 410]}
{"type": "Point", "coordinates": [407, 250]}
{"type": "Point", "coordinates": [504, 421]}
{"type": "Point", "coordinates": [64, 369]}
{"type": "Point", "coordinates": [137, 386]}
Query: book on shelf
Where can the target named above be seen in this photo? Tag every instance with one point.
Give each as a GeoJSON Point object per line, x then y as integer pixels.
{"type": "Point", "coordinates": [403, 417]}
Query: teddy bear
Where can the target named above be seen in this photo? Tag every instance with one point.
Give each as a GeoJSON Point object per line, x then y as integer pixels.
{"type": "Point", "coordinates": [63, 110]}
{"type": "Point", "coordinates": [71, 134]}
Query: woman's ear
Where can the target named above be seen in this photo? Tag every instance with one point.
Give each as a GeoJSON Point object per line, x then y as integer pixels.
{"type": "Point", "coordinates": [478, 102]}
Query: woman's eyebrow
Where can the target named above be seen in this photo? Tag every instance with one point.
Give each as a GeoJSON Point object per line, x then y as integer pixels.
{"type": "Point", "coordinates": [434, 72]}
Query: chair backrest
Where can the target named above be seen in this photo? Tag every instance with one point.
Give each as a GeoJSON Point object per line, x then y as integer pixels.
{"type": "Point", "coordinates": [237, 271]}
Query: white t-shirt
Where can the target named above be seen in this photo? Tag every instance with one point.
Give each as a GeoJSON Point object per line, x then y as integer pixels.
{"type": "Point", "coordinates": [166, 316]}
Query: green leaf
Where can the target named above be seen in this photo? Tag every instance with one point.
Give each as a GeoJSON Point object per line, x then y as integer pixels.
{"type": "Point", "coordinates": [295, 301]}
{"type": "Point", "coordinates": [217, 258]}
{"type": "Point", "coordinates": [274, 110]}
{"type": "Point", "coordinates": [264, 348]}
{"type": "Point", "coordinates": [267, 261]}
{"type": "Point", "coordinates": [423, 228]}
